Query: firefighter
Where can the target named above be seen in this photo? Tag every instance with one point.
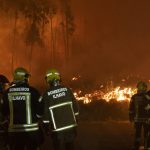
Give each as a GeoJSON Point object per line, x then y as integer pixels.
{"type": "Point", "coordinates": [147, 140]}
{"type": "Point", "coordinates": [60, 112]}
{"type": "Point", "coordinates": [4, 83]}
{"type": "Point", "coordinates": [22, 107]}
{"type": "Point", "coordinates": [138, 112]}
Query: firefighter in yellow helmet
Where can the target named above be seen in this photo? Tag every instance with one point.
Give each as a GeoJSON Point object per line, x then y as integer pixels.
{"type": "Point", "coordinates": [147, 139]}
{"type": "Point", "coordinates": [4, 83]}
{"type": "Point", "coordinates": [53, 77]}
{"type": "Point", "coordinates": [21, 75]}
{"type": "Point", "coordinates": [138, 112]}
{"type": "Point", "coordinates": [60, 112]}
{"type": "Point", "coordinates": [22, 107]}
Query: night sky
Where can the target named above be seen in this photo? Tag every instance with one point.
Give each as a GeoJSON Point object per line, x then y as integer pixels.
{"type": "Point", "coordinates": [111, 38]}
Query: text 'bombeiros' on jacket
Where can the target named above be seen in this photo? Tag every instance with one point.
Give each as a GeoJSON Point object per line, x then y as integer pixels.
{"type": "Point", "coordinates": [22, 107]}
{"type": "Point", "coordinates": [60, 108]}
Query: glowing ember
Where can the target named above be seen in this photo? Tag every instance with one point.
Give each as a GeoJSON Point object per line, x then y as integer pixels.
{"type": "Point", "coordinates": [117, 93]}
{"type": "Point", "coordinates": [75, 78]}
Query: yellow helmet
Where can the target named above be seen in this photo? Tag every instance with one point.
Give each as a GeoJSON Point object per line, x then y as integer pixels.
{"type": "Point", "coordinates": [20, 74]}
{"type": "Point", "coordinates": [141, 86]}
{"type": "Point", "coordinates": [52, 75]}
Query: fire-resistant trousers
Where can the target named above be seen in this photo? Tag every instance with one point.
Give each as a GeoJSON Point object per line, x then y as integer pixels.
{"type": "Point", "coordinates": [3, 141]}
{"type": "Point", "coordinates": [24, 140]}
{"type": "Point", "coordinates": [147, 139]}
{"type": "Point", "coordinates": [64, 140]}
{"type": "Point", "coordinates": [138, 132]}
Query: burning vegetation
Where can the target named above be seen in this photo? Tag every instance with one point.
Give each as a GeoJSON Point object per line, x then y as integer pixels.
{"type": "Point", "coordinates": [105, 92]}
{"type": "Point", "coordinates": [103, 101]}
{"type": "Point", "coordinates": [118, 93]}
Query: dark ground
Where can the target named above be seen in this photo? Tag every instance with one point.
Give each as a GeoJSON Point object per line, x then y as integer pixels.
{"type": "Point", "coordinates": [110, 135]}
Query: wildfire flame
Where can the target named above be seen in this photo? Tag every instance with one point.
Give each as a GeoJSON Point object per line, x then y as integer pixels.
{"type": "Point", "coordinates": [117, 93]}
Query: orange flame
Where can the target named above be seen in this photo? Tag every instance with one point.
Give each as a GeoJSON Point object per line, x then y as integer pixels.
{"type": "Point", "coordinates": [117, 93]}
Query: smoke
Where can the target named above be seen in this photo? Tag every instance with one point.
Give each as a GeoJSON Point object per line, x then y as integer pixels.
{"type": "Point", "coordinates": [116, 38]}
{"type": "Point", "coordinates": [36, 35]}
{"type": "Point", "coordinates": [106, 38]}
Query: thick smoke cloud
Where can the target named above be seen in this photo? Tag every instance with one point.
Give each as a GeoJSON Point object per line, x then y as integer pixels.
{"type": "Point", "coordinates": [111, 38]}
{"type": "Point", "coordinates": [116, 35]}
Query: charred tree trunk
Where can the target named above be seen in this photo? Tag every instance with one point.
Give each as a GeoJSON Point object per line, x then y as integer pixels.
{"type": "Point", "coordinates": [52, 42]}
{"type": "Point", "coordinates": [14, 41]}
{"type": "Point", "coordinates": [67, 40]}
{"type": "Point", "coordinates": [30, 61]}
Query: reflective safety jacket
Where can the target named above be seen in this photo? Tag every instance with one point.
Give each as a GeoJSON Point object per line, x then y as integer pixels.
{"type": "Point", "coordinates": [138, 111]}
{"type": "Point", "coordinates": [60, 108]}
{"type": "Point", "coordinates": [22, 107]}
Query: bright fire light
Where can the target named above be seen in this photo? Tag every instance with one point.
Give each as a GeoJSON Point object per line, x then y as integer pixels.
{"type": "Point", "coordinates": [117, 93]}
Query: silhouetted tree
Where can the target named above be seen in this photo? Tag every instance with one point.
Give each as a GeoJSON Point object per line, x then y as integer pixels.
{"type": "Point", "coordinates": [67, 26]}
{"type": "Point", "coordinates": [37, 14]}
